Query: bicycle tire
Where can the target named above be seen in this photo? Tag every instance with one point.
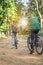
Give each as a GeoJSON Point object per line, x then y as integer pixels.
{"type": "Point", "coordinates": [40, 44]}
{"type": "Point", "coordinates": [28, 43]}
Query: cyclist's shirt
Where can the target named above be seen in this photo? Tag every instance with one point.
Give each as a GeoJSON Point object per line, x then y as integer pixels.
{"type": "Point", "coordinates": [34, 23]}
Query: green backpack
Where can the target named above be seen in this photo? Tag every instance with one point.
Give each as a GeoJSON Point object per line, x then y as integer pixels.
{"type": "Point", "coordinates": [34, 23]}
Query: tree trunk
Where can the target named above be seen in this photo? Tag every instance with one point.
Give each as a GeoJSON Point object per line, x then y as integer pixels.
{"type": "Point", "coordinates": [39, 12]}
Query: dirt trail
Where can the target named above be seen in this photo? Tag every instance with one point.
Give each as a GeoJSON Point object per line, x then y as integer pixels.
{"type": "Point", "coordinates": [18, 56]}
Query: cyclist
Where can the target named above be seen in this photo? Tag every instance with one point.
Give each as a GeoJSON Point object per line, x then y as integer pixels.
{"type": "Point", "coordinates": [34, 29]}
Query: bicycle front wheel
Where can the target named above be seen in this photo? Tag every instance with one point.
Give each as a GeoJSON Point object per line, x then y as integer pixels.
{"type": "Point", "coordinates": [39, 46]}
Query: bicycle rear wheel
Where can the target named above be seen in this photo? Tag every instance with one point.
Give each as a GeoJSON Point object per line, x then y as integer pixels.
{"type": "Point", "coordinates": [39, 46]}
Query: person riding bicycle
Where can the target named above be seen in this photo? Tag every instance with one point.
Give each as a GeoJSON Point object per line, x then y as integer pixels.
{"type": "Point", "coordinates": [34, 29]}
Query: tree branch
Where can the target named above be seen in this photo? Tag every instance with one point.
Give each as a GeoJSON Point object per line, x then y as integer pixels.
{"type": "Point", "coordinates": [38, 9]}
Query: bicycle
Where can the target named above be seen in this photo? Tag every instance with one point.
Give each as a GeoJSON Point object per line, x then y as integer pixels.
{"type": "Point", "coordinates": [37, 44]}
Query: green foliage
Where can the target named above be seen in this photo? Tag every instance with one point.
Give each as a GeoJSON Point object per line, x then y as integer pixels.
{"type": "Point", "coordinates": [32, 7]}
{"type": "Point", "coordinates": [40, 33]}
{"type": "Point", "coordinates": [19, 6]}
{"type": "Point", "coordinates": [8, 13]}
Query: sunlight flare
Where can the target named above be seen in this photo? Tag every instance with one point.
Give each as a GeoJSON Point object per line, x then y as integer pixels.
{"type": "Point", "coordinates": [23, 22]}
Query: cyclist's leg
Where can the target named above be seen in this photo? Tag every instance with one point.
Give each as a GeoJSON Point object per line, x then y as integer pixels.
{"type": "Point", "coordinates": [13, 40]}
{"type": "Point", "coordinates": [16, 41]}
{"type": "Point", "coordinates": [36, 35]}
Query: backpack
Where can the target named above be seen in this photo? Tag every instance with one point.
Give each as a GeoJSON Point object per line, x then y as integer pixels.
{"type": "Point", "coordinates": [34, 23]}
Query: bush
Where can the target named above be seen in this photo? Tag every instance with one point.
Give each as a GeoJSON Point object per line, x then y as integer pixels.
{"type": "Point", "coordinates": [41, 33]}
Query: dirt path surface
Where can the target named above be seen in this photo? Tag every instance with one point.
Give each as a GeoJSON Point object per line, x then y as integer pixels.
{"type": "Point", "coordinates": [18, 56]}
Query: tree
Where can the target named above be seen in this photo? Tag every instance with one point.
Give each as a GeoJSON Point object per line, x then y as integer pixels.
{"type": "Point", "coordinates": [8, 13]}
{"type": "Point", "coordinates": [36, 6]}
{"type": "Point", "coordinates": [39, 7]}
{"type": "Point", "coordinates": [19, 6]}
